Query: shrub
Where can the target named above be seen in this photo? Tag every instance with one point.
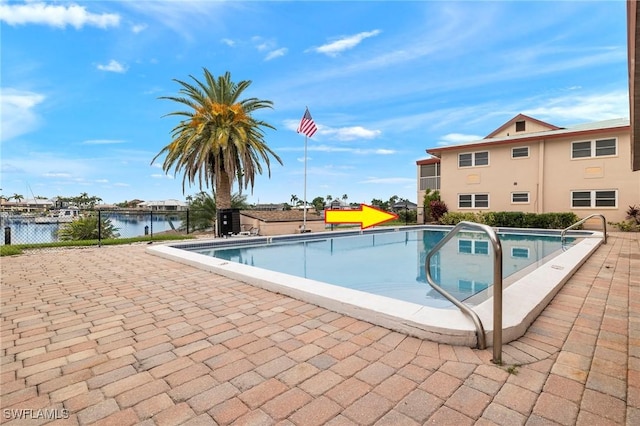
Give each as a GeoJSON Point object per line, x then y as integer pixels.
{"type": "Point", "coordinates": [429, 197]}
{"type": "Point", "coordinates": [408, 216]}
{"type": "Point", "coordinates": [438, 209]}
{"type": "Point", "coordinates": [632, 224]}
{"type": "Point", "coordinates": [513, 219]}
{"type": "Point", "coordinates": [86, 228]}
{"type": "Point", "coordinates": [453, 218]}
{"type": "Point", "coordinates": [634, 214]}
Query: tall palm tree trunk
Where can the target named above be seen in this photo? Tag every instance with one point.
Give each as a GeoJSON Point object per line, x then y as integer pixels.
{"type": "Point", "coordinates": [223, 190]}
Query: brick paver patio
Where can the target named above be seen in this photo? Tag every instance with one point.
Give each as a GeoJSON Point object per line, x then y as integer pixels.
{"type": "Point", "coordinates": [116, 336]}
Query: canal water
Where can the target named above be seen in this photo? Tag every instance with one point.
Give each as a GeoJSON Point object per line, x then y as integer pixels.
{"type": "Point", "coordinates": [25, 231]}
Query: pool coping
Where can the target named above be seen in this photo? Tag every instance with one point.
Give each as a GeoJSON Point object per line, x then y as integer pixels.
{"type": "Point", "coordinates": [522, 301]}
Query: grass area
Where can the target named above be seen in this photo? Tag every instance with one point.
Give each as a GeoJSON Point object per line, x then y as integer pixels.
{"type": "Point", "coordinates": [18, 248]}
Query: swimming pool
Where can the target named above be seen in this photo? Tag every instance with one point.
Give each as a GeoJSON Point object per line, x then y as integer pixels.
{"type": "Point", "coordinates": [392, 263]}
{"type": "Point", "coordinates": [378, 275]}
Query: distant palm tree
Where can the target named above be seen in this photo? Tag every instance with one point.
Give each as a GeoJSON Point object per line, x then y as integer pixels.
{"type": "Point", "coordinates": [219, 141]}
{"type": "Point", "coordinates": [294, 199]}
{"type": "Point", "coordinates": [17, 197]}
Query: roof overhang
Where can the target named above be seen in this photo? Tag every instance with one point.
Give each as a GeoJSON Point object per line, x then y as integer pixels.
{"type": "Point", "coordinates": [532, 137]}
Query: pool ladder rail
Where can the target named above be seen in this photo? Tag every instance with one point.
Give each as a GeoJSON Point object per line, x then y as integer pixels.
{"type": "Point", "coordinates": [497, 280]}
{"type": "Point", "coordinates": [580, 222]}
{"type": "Point", "coordinates": [497, 287]}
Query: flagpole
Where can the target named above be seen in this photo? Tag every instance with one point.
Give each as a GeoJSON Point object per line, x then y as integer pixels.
{"type": "Point", "coordinates": [304, 215]}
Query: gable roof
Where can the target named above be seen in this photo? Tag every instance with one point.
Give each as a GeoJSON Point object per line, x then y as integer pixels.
{"type": "Point", "coordinates": [580, 130]}
{"type": "Point", "coordinates": [521, 117]}
{"type": "Point", "coordinates": [426, 161]}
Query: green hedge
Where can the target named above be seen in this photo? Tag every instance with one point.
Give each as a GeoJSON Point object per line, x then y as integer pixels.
{"type": "Point", "coordinates": [513, 219]}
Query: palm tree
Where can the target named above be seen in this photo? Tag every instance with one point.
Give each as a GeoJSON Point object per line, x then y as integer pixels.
{"type": "Point", "coordinates": [17, 197]}
{"type": "Point", "coordinates": [218, 141]}
{"type": "Point", "coordinates": [294, 199]}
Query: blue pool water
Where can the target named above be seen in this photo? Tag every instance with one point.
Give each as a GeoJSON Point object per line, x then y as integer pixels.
{"type": "Point", "coordinates": [392, 263]}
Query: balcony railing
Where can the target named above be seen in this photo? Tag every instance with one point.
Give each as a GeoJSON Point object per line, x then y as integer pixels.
{"type": "Point", "coordinates": [432, 182]}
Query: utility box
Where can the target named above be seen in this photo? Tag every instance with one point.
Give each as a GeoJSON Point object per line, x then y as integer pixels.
{"type": "Point", "coordinates": [228, 222]}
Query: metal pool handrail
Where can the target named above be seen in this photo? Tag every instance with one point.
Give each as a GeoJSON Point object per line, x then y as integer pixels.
{"type": "Point", "coordinates": [580, 222]}
{"type": "Point", "coordinates": [497, 287]}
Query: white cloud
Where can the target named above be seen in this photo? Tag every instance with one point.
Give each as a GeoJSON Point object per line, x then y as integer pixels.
{"type": "Point", "coordinates": [162, 176]}
{"type": "Point", "coordinates": [57, 175]}
{"type": "Point", "coordinates": [344, 43]}
{"type": "Point", "coordinates": [350, 133]}
{"type": "Point", "coordinates": [228, 42]}
{"type": "Point", "coordinates": [276, 53]}
{"type": "Point", "coordinates": [457, 138]}
{"type": "Point", "coordinates": [183, 17]}
{"type": "Point", "coordinates": [125, 185]}
{"type": "Point", "coordinates": [138, 28]}
{"type": "Point", "coordinates": [578, 108]}
{"type": "Point", "coordinates": [18, 116]}
{"type": "Point", "coordinates": [263, 44]}
{"type": "Point", "coordinates": [58, 16]}
{"type": "Point", "coordinates": [340, 133]}
{"type": "Point", "coordinates": [113, 66]}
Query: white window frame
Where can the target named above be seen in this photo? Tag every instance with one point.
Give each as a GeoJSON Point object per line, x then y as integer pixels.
{"type": "Point", "coordinates": [593, 148]}
{"type": "Point", "coordinates": [521, 202]}
{"type": "Point", "coordinates": [523, 249]}
{"type": "Point", "coordinates": [593, 199]}
{"type": "Point", "coordinates": [483, 251]}
{"type": "Point", "coordinates": [520, 156]}
{"type": "Point", "coordinates": [476, 286]}
{"type": "Point", "coordinates": [473, 159]}
{"type": "Point", "coordinates": [473, 201]}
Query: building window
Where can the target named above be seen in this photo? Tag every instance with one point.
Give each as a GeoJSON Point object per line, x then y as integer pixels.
{"type": "Point", "coordinates": [519, 197]}
{"type": "Point", "coordinates": [471, 159]}
{"type": "Point", "coordinates": [430, 176]}
{"type": "Point", "coordinates": [465, 160]}
{"type": "Point", "coordinates": [473, 201]}
{"type": "Point", "coordinates": [520, 152]}
{"type": "Point", "coordinates": [594, 198]}
{"type": "Point", "coordinates": [520, 126]}
{"type": "Point", "coordinates": [473, 247]}
{"type": "Point", "coordinates": [471, 286]}
{"type": "Point", "coordinates": [605, 147]}
{"type": "Point", "coordinates": [597, 148]}
{"type": "Point", "coordinates": [520, 252]}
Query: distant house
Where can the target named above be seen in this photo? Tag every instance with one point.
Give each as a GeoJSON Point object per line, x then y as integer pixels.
{"type": "Point", "coordinates": [170, 205]}
{"type": "Point", "coordinates": [404, 205]}
{"type": "Point", "coordinates": [269, 207]}
{"type": "Point", "coordinates": [279, 222]}
{"type": "Point", "coordinates": [528, 165]}
{"type": "Point", "coordinates": [27, 206]}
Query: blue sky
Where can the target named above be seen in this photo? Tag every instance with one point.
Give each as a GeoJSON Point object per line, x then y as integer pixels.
{"type": "Point", "coordinates": [384, 81]}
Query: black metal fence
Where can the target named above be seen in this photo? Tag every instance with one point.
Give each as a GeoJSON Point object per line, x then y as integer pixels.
{"type": "Point", "coordinates": [48, 227]}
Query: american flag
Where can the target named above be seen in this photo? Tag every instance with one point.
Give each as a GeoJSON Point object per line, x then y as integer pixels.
{"type": "Point", "coordinates": [307, 126]}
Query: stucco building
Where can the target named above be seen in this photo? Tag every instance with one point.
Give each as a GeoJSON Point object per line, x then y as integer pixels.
{"type": "Point", "coordinates": [528, 165]}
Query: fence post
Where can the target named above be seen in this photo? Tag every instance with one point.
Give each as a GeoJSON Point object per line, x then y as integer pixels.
{"type": "Point", "coordinates": [99, 229]}
{"type": "Point", "coordinates": [187, 221]}
{"type": "Point", "coordinates": [7, 236]}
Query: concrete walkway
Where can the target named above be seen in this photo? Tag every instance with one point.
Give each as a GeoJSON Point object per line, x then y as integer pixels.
{"type": "Point", "coordinates": [117, 336]}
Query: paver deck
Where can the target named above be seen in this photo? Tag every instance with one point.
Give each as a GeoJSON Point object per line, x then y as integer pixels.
{"type": "Point", "coordinates": [116, 336]}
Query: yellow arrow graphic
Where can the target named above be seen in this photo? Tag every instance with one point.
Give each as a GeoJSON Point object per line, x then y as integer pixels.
{"type": "Point", "coordinates": [366, 216]}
